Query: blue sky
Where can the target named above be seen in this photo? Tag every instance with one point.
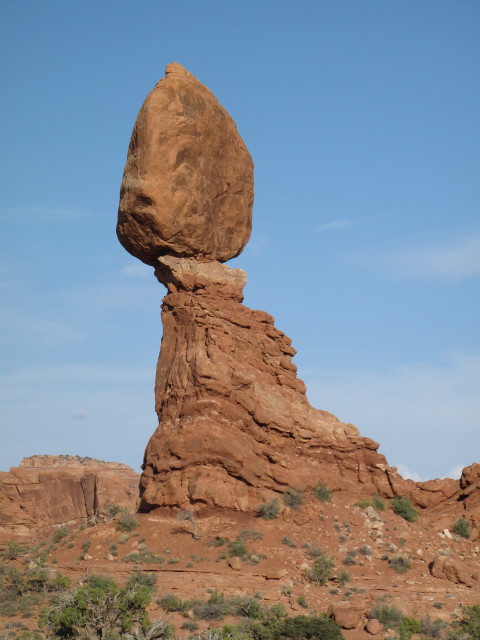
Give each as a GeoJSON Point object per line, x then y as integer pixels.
{"type": "Point", "coordinates": [362, 120]}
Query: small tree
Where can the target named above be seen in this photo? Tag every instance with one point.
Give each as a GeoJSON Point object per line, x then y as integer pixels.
{"type": "Point", "coordinates": [189, 516]}
{"type": "Point", "coordinates": [102, 609]}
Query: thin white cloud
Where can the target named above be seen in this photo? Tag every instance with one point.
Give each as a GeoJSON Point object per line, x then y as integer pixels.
{"type": "Point", "coordinates": [456, 471]}
{"type": "Point", "coordinates": [137, 270]}
{"type": "Point", "coordinates": [404, 471]}
{"type": "Point", "coordinates": [447, 262]}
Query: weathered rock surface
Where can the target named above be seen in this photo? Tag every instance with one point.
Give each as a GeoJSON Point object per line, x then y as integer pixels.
{"type": "Point", "coordinates": [52, 490]}
{"type": "Point", "coordinates": [346, 614]}
{"type": "Point", "coordinates": [454, 570]}
{"type": "Point", "coordinates": [187, 188]}
{"type": "Point", "coordinates": [235, 426]}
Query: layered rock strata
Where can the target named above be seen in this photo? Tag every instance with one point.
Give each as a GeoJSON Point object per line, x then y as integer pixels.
{"type": "Point", "coordinates": [235, 426]}
{"type": "Point", "coordinates": [54, 490]}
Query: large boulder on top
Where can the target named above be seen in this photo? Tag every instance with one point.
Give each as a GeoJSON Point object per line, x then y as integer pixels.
{"type": "Point", "coordinates": [187, 188]}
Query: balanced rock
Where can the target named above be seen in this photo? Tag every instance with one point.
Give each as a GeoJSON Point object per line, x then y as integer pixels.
{"type": "Point", "coordinates": [187, 188]}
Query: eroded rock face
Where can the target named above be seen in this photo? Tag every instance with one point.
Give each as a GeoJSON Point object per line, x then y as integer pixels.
{"type": "Point", "coordinates": [234, 422]}
{"type": "Point", "coordinates": [187, 188]}
{"type": "Point", "coordinates": [53, 490]}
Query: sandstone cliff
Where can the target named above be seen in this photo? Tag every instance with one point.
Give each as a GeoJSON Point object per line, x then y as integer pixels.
{"type": "Point", "coordinates": [54, 490]}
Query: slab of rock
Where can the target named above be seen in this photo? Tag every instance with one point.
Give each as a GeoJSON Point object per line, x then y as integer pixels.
{"type": "Point", "coordinates": [346, 614]}
{"type": "Point", "coordinates": [187, 188]}
{"type": "Point", "coordinates": [54, 490]}
{"type": "Point", "coordinates": [453, 569]}
{"type": "Point", "coordinates": [373, 627]}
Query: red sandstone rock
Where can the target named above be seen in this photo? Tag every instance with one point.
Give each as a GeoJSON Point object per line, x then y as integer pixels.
{"type": "Point", "coordinates": [454, 570]}
{"type": "Point", "coordinates": [187, 187]}
{"type": "Point", "coordinates": [373, 627]}
{"type": "Point", "coordinates": [53, 490]}
{"type": "Point", "coordinates": [346, 614]}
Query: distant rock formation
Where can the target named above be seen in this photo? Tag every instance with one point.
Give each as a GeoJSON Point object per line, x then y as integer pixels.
{"type": "Point", "coordinates": [235, 427]}
{"type": "Point", "coordinates": [54, 490]}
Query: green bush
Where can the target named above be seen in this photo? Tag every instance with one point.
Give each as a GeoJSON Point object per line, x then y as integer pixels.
{"type": "Point", "coordinates": [269, 510]}
{"type": "Point", "coordinates": [293, 498]}
{"type": "Point", "coordinates": [378, 503]}
{"type": "Point", "coordinates": [400, 562]}
{"type": "Point", "coordinates": [127, 522]}
{"type": "Point", "coordinates": [144, 579]}
{"type": "Point", "coordinates": [322, 568]}
{"type": "Point", "coordinates": [462, 527]}
{"type": "Point", "coordinates": [322, 493]}
{"type": "Point", "coordinates": [468, 628]}
{"type": "Point", "coordinates": [100, 608]}
{"type": "Point", "coordinates": [388, 615]}
{"type": "Point", "coordinates": [144, 557]}
{"type": "Point", "coordinates": [343, 577]}
{"type": "Point", "coordinates": [403, 507]}
{"type": "Point", "coordinates": [237, 549]}
{"type": "Point", "coordinates": [59, 535]}
{"type": "Point", "coordinates": [112, 510]}
{"type": "Point", "coordinates": [250, 535]}
{"type": "Point", "coordinates": [172, 603]}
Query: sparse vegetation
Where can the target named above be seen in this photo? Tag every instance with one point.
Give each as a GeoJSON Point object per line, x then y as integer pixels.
{"type": "Point", "coordinates": [302, 601]}
{"type": "Point", "coordinates": [143, 557]}
{"type": "Point", "coordinates": [289, 542]}
{"type": "Point", "coordinates": [250, 535]}
{"type": "Point", "coordinates": [293, 499]}
{"type": "Point", "coordinates": [127, 522]}
{"type": "Point", "coordinates": [403, 507]}
{"type": "Point", "coordinates": [400, 562]}
{"type": "Point", "coordinates": [269, 510]}
{"type": "Point", "coordinates": [343, 577]}
{"type": "Point", "coordinates": [113, 510]}
{"type": "Point", "coordinates": [322, 568]}
{"type": "Point", "coordinates": [322, 493]}
{"type": "Point", "coordinates": [59, 534]}
{"type": "Point", "coordinates": [462, 527]}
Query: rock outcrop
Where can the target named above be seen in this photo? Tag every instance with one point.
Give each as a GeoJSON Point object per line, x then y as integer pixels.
{"type": "Point", "coordinates": [187, 189]}
{"type": "Point", "coordinates": [235, 427]}
{"type": "Point", "coordinates": [54, 490]}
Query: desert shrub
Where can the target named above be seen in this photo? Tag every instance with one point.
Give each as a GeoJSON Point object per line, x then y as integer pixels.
{"type": "Point", "coordinates": [400, 562]}
{"type": "Point", "coordinates": [127, 522]}
{"type": "Point", "coordinates": [366, 550]}
{"type": "Point", "coordinates": [432, 628]}
{"type": "Point", "coordinates": [13, 551]}
{"type": "Point", "coordinates": [462, 527]}
{"type": "Point", "coordinates": [237, 548]}
{"type": "Point", "coordinates": [403, 507]}
{"type": "Point", "coordinates": [293, 498]}
{"type": "Point", "coordinates": [304, 627]}
{"type": "Point", "coordinates": [343, 577]}
{"type": "Point", "coordinates": [388, 615]}
{"type": "Point", "coordinates": [269, 510]}
{"type": "Point", "coordinates": [302, 601]}
{"type": "Point", "coordinates": [173, 560]}
{"type": "Point", "coordinates": [172, 603]}
{"type": "Point", "coordinates": [216, 607]}
{"type": "Point", "coordinates": [322, 493]}
{"type": "Point", "coordinates": [59, 534]}
{"type": "Point", "coordinates": [378, 503]}
{"type": "Point", "coordinates": [322, 568]}
{"type": "Point", "coordinates": [144, 579]}
{"type": "Point", "coordinates": [86, 545]}
{"type": "Point", "coordinates": [123, 539]}
{"type": "Point", "coordinates": [100, 608]}
{"type": "Point", "coordinates": [145, 557]}
{"type": "Point", "coordinates": [468, 628]}
{"type": "Point", "coordinates": [189, 625]}
{"type": "Point", "coordinates": [289, 542]}
{"type": "Point", "coordinates": [364, 503]}
{"type": "Point", "coordinates": [113, 510]}
{"type": "Point", "coordinates": [349, 559]}
{"type": "Point", "coordinates": [250, 535]}
{"type": "Point", "coordinates": [218, 541]}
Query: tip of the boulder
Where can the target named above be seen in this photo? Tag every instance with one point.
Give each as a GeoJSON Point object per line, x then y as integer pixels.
{"type": "Point", "coordinates": [176, 68]}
